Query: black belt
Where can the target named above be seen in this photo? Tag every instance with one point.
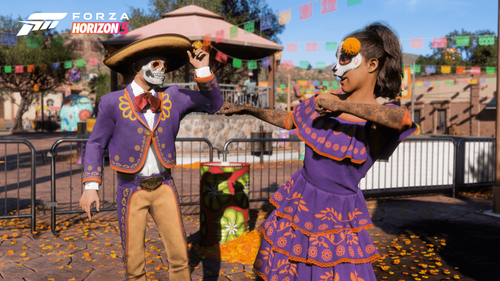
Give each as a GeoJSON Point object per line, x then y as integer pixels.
{"type": "Point", "coordinates": [146, 182]}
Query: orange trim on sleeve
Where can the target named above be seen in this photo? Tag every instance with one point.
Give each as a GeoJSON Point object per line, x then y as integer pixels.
{"type": "Point", "coordinates": [99, 180]}
{"type": "Point", "coordinates": [204, 79]}
{"type": "Point", "coordinates": [407, 119]}
{"type": "Point", "coordinates": [286, 120]}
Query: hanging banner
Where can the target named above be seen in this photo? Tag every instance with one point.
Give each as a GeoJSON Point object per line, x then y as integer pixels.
{"type": "Point", "coordinates": [221, 57]}
{"type": "Point", "coordinates": [278, 55]}
{"type": "Point", "coordinates": [460, 69]}
{"type": "Point", "coordinates": [31, 68]}
{"type": "Point", "coordinates": [8, 39]}
{"type": "Point", "coordinates": [417, 43]}
{"type": "Point", "coordinates": [249, 27]}
{"type": "Point", "coordinates": [312, 47]}
{"type": "Point", "coordinates": [68, 64]}
{"type": "Point", "coordinates": [93, 61]}
{"type": "Point", "coordinates": [304, 64]}
{"type": "Point", "coordinates": [207, 43]}
{"type": "Point", "coordinates": [80, 63]}
{"type": "Point", "coordinates": [490, 70]}
{"type": "Point", "coordinates": [320, 65]}
{"type": "Point", "coordinates": [486, 40]}
{"type": "Point", "coordinates": [266, 62]}
{"type": "Point", "coordinates": [34, 41]}
{"type": "Point", "coordinates": [331, 46]}
{"type": "Point", "coordinates": [445, 69]}
{"type": "Point", "coordinates": [475, 70]}
{"type": "Point", "coordinates": [19, 69]}
{"type": "Point", "coordinates": [287, 63]}
{"type": "Point", "coordinates": [236, 63]}
{"type": "Point", "coordinates": [8, 69]}
{"type": "Point", "coordinates": [406, 91]}
{"type": "Point", "coordinates": [353, 2]}
{"type": "Point", "coordinates": [440, 42]}
{"type": "Point", "coordinates": [291, 47]}
{"type": "Point", "coordinates": [266, 22]}
{"type": "Point", "coordinates": [430, 69]}
{"type": "Point", "coordinates": [415, 68]}
{"type": "Point", "coordinates": [305, 11]}
{"type": "Point", "coordinates": [219, 36]}
{"type": "Point", "coordinates": [285, 16]}
{"type": "Point", "coordinates": [233, 31]}
{"type": "Point", "coordinates": [462, 41]}
{"type": "Point", "coordinates": [328, 6]}
{"type": "Point", "coordinates": [55, 65]}
{"type": "Point", "coordinates": [252, 64]}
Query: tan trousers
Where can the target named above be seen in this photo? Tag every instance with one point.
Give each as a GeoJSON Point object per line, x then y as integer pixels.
{"type": "Point", "coordinates": [162, 204]}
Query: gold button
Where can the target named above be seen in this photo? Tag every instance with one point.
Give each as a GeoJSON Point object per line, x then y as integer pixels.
{"type": "Point", "coordinates": [147, 133]}
{"type": "Point", "coordinates": [162, 145]}
{"type": "Point", "coordinates": [140, 130]}
{"type": "Point", "coordinates": [169, 155]}
{"type": "Point", "coordinates": [160, 130]}
{"type": "Point", "coordinates": [89, 168]}
{"type": "Point", "coordinates": [137, 148]}
{"type": "Point", "coordinates": [98, 169]}
{"type": "Point", "coordinates": [131, 159]}
{"type": "Point", "coordinates": [117, 157]}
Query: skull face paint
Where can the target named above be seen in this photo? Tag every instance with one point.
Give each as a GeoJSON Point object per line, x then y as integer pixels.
{"type": "Point", "coordinates": [154, 70]}
{"type": "Point", "coordinates": [345, 62]}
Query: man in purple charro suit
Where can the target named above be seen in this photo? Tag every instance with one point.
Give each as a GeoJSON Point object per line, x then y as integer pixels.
{"type": "Point", "coordinates": [138, 125]}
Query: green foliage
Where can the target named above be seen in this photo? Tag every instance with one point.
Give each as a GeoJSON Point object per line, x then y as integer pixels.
{"type": "Point", "coordinates": [472, 55]}
{"type": "Point", "coordinates": [100, 85]}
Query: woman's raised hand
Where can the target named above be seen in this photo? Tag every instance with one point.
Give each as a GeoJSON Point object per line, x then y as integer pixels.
{"type": "Point", "coordinates": [229, 109]}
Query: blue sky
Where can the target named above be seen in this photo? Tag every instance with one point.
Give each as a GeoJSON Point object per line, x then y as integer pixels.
{"type": "Point", "coordinates": [409, 18]}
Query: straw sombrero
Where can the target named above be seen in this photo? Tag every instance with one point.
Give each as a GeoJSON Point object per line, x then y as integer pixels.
{"type": "Point", "coordinates": [172, 46]}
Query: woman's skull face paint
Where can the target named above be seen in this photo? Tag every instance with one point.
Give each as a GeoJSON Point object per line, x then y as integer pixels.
{"type": "Point", "coordinates": [154, 70]}
{"type": "Point", "coordinates": [345, 62]}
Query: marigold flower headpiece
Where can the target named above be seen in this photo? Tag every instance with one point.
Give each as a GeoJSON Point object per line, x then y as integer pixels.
{"type": "Point", "coordinates": [351, 46]}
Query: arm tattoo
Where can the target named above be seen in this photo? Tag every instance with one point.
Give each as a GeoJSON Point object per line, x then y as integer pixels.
{"type": "Point", "coordinates": [388, 116]}
{"type": "Point", "coordinates": [275, 117]}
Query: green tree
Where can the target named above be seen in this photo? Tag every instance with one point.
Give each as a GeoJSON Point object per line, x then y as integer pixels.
{"type": "Point", "coordinates": [100, 86]}
{"type": "Point", "coordinates": [234, 11]}
{"type": "Point", "coordinates": [47, 78]}
{"type": "Point", "coordinates": [472, 55]}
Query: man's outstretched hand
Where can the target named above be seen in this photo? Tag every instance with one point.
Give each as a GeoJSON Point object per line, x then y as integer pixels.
{"type": "Point", "coordinates": [199, 59]}
{"type": "Point", "coordinates": [88, 197]}
{"type": "Point", "coordinates": [229, 109]}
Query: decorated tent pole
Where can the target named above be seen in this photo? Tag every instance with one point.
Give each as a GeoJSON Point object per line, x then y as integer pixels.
{"type": "Point", "coordinates": [496, 187]}
{"type": "Point", "coordinates": [288, 98]}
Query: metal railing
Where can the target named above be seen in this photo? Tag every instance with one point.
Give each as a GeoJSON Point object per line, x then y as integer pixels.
{"type": "Point", "coordinates": [72, 176]}
{"type": "Point", "coordinates": [476, 161]}
{"type": "Point", "coordinates": [21, 163]}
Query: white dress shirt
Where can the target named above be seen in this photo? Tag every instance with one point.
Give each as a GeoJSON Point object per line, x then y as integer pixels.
{"type": "Point", "coordinates": [152, 164]}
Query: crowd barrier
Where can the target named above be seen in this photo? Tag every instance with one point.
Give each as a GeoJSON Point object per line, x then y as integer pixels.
{"type": "Point", "coordinates": [417, 164]}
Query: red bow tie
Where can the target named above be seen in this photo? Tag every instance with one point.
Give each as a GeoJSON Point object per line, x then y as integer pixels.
{"type": "Point", "coordinates": [142, 100]}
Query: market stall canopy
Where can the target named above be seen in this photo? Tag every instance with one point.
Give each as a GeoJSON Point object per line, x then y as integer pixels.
{"type": "Point", "coordinates": [195, 22]}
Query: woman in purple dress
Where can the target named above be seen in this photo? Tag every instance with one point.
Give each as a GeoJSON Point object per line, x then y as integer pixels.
{"type": "Point", "coordinates": [318, 229]}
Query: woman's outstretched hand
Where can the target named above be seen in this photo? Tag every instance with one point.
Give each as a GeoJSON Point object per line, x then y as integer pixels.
{"type": "Point", "coordinates": [229, 109]}
{"type": "Point", "coordinates": [322, 104]}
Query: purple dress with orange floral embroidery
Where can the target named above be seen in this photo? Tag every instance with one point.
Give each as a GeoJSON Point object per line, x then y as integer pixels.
{"type": "Point", "coordinates": [318, 230]}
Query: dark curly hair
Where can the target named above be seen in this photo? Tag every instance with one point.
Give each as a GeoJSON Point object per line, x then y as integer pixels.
{"type": "Point", "coordinates": [379, 41]}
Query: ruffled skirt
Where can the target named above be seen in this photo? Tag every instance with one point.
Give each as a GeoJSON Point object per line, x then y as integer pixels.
{"type": "Point", "coordinates": [316, 235]}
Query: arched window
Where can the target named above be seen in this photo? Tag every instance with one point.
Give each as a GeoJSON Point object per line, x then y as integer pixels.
{"type": "Point", "coordinates": [50, 102]}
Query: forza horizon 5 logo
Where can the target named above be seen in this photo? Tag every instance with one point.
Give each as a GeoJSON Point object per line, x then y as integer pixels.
{"type": "Point", "coordinates": [44, 21]}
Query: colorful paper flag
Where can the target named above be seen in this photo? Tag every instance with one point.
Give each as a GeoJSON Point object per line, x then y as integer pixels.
{"type": "Point", "coordinates": [475, 70]}
{"type": "Point", "coordinates": [415, 68]}
{"type": "Point", "coordinates": [34, 41]}
{"type": "Point", "coordinates": [427, 84]}
{"type": "Point", "coordinates": [302, 83]}
{"type": "Point", "coordinates": [486, 40]}
{"type": "Point", "coordinates": [266, 22]}
{"type": "Point", "coordinates": [55, 65]}
{"type": "Point", "coordinates": [473, 81]}
{"type": "Point", "coordinates": [278, 55]}
{"type": "Point", "coordinates": [56, 42]}
{"type": "Point", "coordinates": [492, 80]}
{"type": "Point", "coordinates": [328, 6]}
{"type": "Point", "coordinates": [445, 69]}
{"type": "Point", "coordinates": [449, 82]}
{"type": "Point", "coordinates": [236, 63]}
{"type": "Point", "coordinates": [233, 31]}
{"type": "Point", "coordinates": [335, 85]}
{"type": "Point", "coordinates": [440, 42]}
{"type": "Point", "coordinates": [221, 57]}
{"type": "Point", "coordinates": [80, 63]}
{"type": "Point", "coordinates": [266, 62]}
{"type": "Point", "coordinates": [430, 69]}
{"type": "Point", "coordinates": [198, 44]}
{"type": "Point", "coordinates": [31, 68]}
{"type": "Point", "coordinates": [460, 69]}
{"type": "Point", "coordinates": [68, 64]}
{"type": "Point", "coordinates": [326, 83]}
{"type": "Point", "coordinates": [315, 83]}
{"type": "Point", "coordinates": [419, 84]}
{"type": "Point", "coordinates": [8, 39]}
{"type": "Point", "coordinates": [483, 80]}
{"type": "Point", "coordinates": [416, 43]}
{"type": "Point", "coordinates": [283, 86]}
{"type": "Point", "coordinates": [304, 64]}
{"type": "Point", "coordinates": [462, 41]}
{"type": "Point", "coordinates": [287, 63]}
{"type": "Point", "coordinates": [207, 43]}
{"type": "Point", "coordinates": [490, 70]}
{"type": "Point", "coordinates": [43, 67]}
{"type": "Point", "coordinates": [305, 11]}
{"type": "Point", "coordinates": [285, 16]}
{"type": "Point", "coordinates": [291, 47]}
{"type": "Point", "coordinates": [353, 2]}
{"type": "Point", "coordinates": [331, 46]}
{"type": "Point", "coordinates": [320, 65]}
{"type": "Point", "coordinates": [19, 69]}
{"type": "Point", "coordinates": [93, 61]}
{"type": "Point", "coordinates": [252, 64]}
{"type": "Point", "coordinates": [8, 69]}
{"type": "Point", "coordinates": [312, 47]}
{"type": "Point", "coordinates": [249, 27]}
{"type": "Point", "coordinates": [437, 83]}
{"type": "Point", "coordinates": [219, 36]}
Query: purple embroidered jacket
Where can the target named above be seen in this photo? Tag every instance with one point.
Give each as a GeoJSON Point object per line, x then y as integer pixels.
{"type": "Point", "coordinates": [126, 134]}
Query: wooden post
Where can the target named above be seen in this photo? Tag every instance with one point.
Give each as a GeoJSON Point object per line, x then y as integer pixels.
{"type": "Point", "coordinates": [271, 82]}
{"type": "Point", "coordinates": [496, 187]}
{"type": "Point", "coordinates": [288, 97]}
